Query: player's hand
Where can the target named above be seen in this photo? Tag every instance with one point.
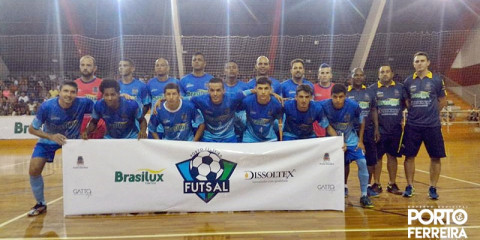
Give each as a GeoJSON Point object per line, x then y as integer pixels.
{"type": "Point", "coordinates": [84, 135]}
{"type": "Point", "coordinates": [129, 97]}
{"type": "Point", "coordinates": [142, 135]}
{"type": "Point", "coordinates": [344, 147]}
{"type": "Point", "coordinates": [377, 135]}
{"type": "Point", "coordinates": [158, 104]}
{"type": "Point", "coordinates": [278, 97]}
{"type": "Point", "coordinates": [58, 138]}
{"type": "Point", "coordinates": [361, 146]}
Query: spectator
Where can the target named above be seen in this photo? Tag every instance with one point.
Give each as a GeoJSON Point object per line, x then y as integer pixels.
{"type": "Point", "coordinates": [23, 97]}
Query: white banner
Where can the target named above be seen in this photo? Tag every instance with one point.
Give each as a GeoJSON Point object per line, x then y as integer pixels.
{"type": "Point", "coordinates": [15, 127]}
{"type": "Point", "coordinates": [121, 176]}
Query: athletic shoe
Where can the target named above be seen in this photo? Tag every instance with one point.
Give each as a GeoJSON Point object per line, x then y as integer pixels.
{"type": "Point", "coordinates": [37, 210]}
{"type": "Point", "coordinates": [346, 192]}
{"type": "Point", "coordinates": [377, 188]}
{"type": "Point", "coordinates": [366, 202]}
{"type": "Point", "coordinates": [409, 191]}
{"type": "Point", "coordinates": [432, 193]}
{"type": "Point", "coordinates": [371, 193]}
{"type": "Point", "coordinates": [393, 188]}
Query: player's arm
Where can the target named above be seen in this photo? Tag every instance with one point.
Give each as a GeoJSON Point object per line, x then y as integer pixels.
{"type": "Point", "coordinates": [360, 137]}
{"type": "Point", "coordinates": [143, 128]}
{"type": "Point", "coordinates": [331, 131]}
{"type": "Point", "coordinates": [442, 102]}
{"type": "Point", "coordinates": [280, 128]}
{"type": "Point", "coordinates": [199, 133]}
{"type": "Point", "coordinates": [376, 130]}
{"type": "Point", "coordinates": [58, 138]}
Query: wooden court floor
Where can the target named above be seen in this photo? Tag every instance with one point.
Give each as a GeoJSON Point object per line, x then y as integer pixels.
{"type": "Point", "coordinates": [459, 187]}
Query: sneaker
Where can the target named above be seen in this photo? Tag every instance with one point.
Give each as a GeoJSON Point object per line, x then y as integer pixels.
{"type": "Point", "coordinates": [37, 210]}
{"type": "Point", "coordinates": [409, 191]}
{"type": "Point", "coordinates": [371, 193]}
{"type": "Point", "coordinates": [346, 192]}
{"type": "Point", "coordinates": [432, 193]}
{"type": "Point", "coordinates": [377, 188]}
{"type": "Point", "coordinates": [393, 188]}
{"type": "Point", "coordinates": [366, 202]}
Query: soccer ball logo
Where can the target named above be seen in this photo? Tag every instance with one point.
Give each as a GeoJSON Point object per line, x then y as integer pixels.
{"type": "Point", "coordinates": [206, 166]}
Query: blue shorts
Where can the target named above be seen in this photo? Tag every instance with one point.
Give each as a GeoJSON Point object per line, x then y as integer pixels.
{"type": "Point", "coordinates": [46, 151]}
{"type": "Point", "coordinates": [351, 154]}
{"type": "Point", "coordinates": [389, 143]}
{"type": "Point", "coordinates": [431, 136]}
{"type": "Point", "coordinates": [370, 147]}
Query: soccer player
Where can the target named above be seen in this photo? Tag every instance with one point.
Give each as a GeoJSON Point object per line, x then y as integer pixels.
{"type": "Point", "coordinates": [233, 85]}
{"type": "Point", "coordinates": [426, 97]}
{"type": "Point", "coordinates": [390, 105]}
{"type": "Point", "coordinates": [365, 97]}
{"type": "Point", "coordinates": [322, 91]}
{"type": "Point", "coordinates": [195, 83]}
{"type": "Point", "coordinates": [61, 119]}
{"type": "Point", "coordinates": [177, 117]}
{"type": "Point", "coordinates": [300, 114]}
{"type": "Point", "coordinates": [262, 111]}
{"type": "Point", "coordinates": [88, 87]}
{"type": "Point", "coordinates": [156, 85]}
{"type": "Point", "coordinates": [122, 116]}
{"type": "Point", "coordinates": [342, 114]}
{"type": "Point", "coordinates": [218, 110]}
{"type": "Point", "coordinates": [262, 68]}
{"type": "Point", "coordinates": [289, 87]}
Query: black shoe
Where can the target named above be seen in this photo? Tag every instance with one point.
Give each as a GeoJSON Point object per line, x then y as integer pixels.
{"type": "Point", "coordinates": [38, 209]}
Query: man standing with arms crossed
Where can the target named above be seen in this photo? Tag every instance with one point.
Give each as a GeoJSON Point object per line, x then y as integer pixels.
{"type": "Point", "coordinates": [426, 97]}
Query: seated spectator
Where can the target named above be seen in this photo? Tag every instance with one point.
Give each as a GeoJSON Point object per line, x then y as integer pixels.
{"type": "Point", "coordinates": [23, 97]}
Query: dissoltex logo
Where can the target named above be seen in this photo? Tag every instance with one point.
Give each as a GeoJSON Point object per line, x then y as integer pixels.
{"type": "Point", "coordinates": [147, 176]}
{"type": "Point", "coordinates": [269, 176]}
{"type": "Point", "coordinates": [206, 174]}
{"type": "Point", "coordinates": [439, 223]}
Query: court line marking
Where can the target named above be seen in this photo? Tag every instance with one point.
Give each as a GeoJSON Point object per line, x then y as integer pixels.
{"type": "Point", "coordinates": [242, 233]}
{"type": "Point", "coordinates": [444, 176]}
{"type": "Point", "coordinates": [25, 214]}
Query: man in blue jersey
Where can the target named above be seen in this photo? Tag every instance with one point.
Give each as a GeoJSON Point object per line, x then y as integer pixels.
{"type": "Point", "coordinates": [157, 84]}
{"type": "Point", "coordinates": [289, 87]}
{"type": "Point", "coordinates": [262, 68]}
{"type": "Point", "coordinates": [177, 117]}
{"type": "Point", "coordinates": [133, 87]}
{"type": "Point", "coordinates": [342, 114]}
{"type": "Point", "coordinates": [195, 83]}
{"type": "Point", "coordinates": [262, 111]}
{"type": "Point", "coordinates": [61, 118]}
{"type": "Point", "coordinates": [426, 97]}
{"type": "Point", "coordinates": [218, 110]}
{"type": "Point", "coordinates": [390, 105]}
{"type": "Point", "coordinates": [233, 85]}
{"type": "Point", "coordinates": [301, 113]}
{"type": "Point", "coordinates": [365, 98]}
{"type": "Point", "coordinates": [122, 116]}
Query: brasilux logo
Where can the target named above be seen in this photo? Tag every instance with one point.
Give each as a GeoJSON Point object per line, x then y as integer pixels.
{"type": "Point", "coordinates": [206, 174]}
{"type": "Point", "coordinates": [147, 176]}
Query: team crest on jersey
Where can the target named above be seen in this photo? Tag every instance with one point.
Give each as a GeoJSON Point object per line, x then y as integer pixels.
{"type": "Point", "coordinates": [413, 88]}
{"type": "Point", "coordinates": [397, 93]}
{"type": "Point", "coordinates": [428, 87]}
{"type": "Point", "coordinates": [347, 117]}
{"type": "Point", "coordinates": [367, 97]}
{"type": "Point", "coordinates": [95, 89]}
{"type": "Point", "coordinates": [184, 117]}
{"type": "Point", "coordinates": [380, 94]}
{"type": "Point", "coordinates": [135, 91]}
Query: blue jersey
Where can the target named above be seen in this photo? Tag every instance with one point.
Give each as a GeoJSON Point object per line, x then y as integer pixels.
{"type": "Point", "coordinates": [156, 88]}
{"type": "Point", "coordinates": [56, 119]}
{"type": "Point", "coordinates": [136, 89]}
{"type": "Point", "coordinates": [218, 117]}
{"type": "Point", "coordinates": [239, 87]}
{"type": "Point", "coordinates": [195, 86]}
{"type": "Point", "coordinates": [289, 88]}
{"type": "Point", "coordinates": [123, 122]}
{"type": "Point", "coordinates": [423, 94]}
{"type": "Point", "coordinates": [342, 120]}
{"type": "Point", "coordinates": [390, 105]}
{"type": "Point", "coordinates": [277, 88]}
{"type": "Point", "coordinates": [240, 116]}
{"type": "Point", "coordinates": [365, 98]}
{"type": "Point", "coordinates": [260, 119]}
{"type": "Point", "coordinates": [176, 124]}
{"type": "Point", "coordinates": [299, 125]}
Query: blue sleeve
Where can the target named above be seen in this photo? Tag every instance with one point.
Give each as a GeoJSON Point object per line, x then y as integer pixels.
{"type": "Point", "coordinates": [322, 117]}
{"type": "Point", "coordinates": [145, 96]}
{"type": "Point", "coordinates": [139, 111]}
{"type": "Point", "coordinates": [41, 116]}
{"type": "Point", "coordinates": [442, 91]}
{"type": "Point", "coordinates": [197, 118]}
{"type": "Point", "coordinates": [358, 115]}
{"type": "Point", "coordinates": [97, 111]}
{"type": "Point", "coordinates": [153, 123]}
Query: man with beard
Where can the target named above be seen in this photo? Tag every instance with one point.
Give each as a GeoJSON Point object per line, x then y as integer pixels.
{"type": "Point", "coordinates": [289, 87]}
{"type": "Point", "coordinates": [88, 87]}
{"type": "Point", "coordinates": [195, 83]}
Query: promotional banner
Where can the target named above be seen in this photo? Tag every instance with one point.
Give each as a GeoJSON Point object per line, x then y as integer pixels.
{"type": "Point", "coordinates": [127, 175]}
{"type": "Point", "coordinates": [15, 127]}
